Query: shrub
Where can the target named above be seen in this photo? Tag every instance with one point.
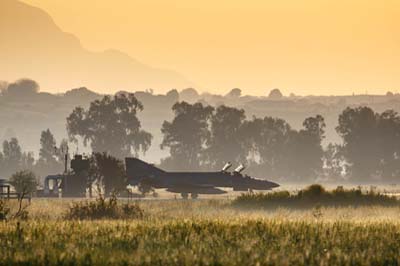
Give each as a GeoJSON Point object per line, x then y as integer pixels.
{"type": "Point", "coordinates": [313, 191]}
{"type": "Point", "coordinates": [103, 208]}
{"type": "Point", "coordinates": [315, 195]}
{"type": "Point", "coordinates": [24, 182]}
{"type": "Point", "coordinates": [4, 210]}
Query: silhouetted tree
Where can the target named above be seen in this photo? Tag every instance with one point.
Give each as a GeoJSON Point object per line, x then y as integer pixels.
{"type": "Point", "coordinates": [12, 156]}
{"type": "Point", "coordinates": [389, 94]}
{"type": "Point", "coordinates": [13, 159]}
{"type": "Point", "coordinates": [269, 139]}
{"type": "Point", "coordinates": [62, 150]}
{"type": "Point", "coordinates": [275, 94]}
{"type": "Point", "coordinates": [24, 182]}
{"type": "Point", "coordinates": [389, 136]}
{"type": "Point", "coordinates": [22, 88]}
{"type": "Point", "coordinates": [81, 93]}
{"type": "Point", "coordinates": [305, 149]}
{"type": "Point", "coordinates": [334, 162]}
{"type": "Point", "coordinates": [186, 136]}
{"type": "Point", "coordinates": [228, 140]}
{"type": "Point", "coordinates": [189, 95]}
{"type": "Point", "coordinates": [27, 161]}
{"type": "Point", "coordinates": [371, 143]}
{"type": "Point", "coordinates": [358, 128]}
{"type": "Point", "coordinates": [234, 93]}
{"type": "Point", "coordinates": [110, 125]}
{"type": "Point", "coordinates": [51, 158]}
{"type": "Point", "coordinates": [108, 171]}
{"type": "Point", "coordinates": [173, 96]}
{"type": "Point", "coordinates": [48, 148]}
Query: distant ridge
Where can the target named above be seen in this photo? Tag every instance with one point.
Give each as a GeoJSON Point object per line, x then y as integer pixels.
{"type": "Point", "coordinates": [33, 46]}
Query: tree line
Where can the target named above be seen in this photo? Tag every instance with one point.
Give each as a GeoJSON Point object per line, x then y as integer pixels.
{"type": "Point", "coordinates": [50, 160]}
{"type": "Point", "coordinates": [202, 137]}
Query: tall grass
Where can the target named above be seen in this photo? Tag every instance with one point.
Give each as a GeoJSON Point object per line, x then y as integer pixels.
{"type": "Point", "coordinates": [315, 195]}
{"type": "Point", "coordinates": [262, 242]}
{"type": "Point", "coordinates": [203, 232]}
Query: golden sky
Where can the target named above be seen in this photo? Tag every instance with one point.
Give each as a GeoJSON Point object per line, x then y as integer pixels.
{"type": "Point", "coordinates": [305, 47]}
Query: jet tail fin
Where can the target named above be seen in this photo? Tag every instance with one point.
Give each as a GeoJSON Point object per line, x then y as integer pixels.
{"type": "Point", "coordinates": [137, 169]}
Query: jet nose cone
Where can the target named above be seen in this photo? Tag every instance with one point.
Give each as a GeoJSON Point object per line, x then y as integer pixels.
{"type": "Point", "coordinates": [274, 185]}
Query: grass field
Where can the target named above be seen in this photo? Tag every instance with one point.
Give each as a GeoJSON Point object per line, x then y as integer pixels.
{"type": "Point", "coordinates": [205, 232]}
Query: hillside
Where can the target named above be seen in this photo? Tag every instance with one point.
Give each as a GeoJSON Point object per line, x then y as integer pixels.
{"type": "Point", "coordinates": [33, 46]}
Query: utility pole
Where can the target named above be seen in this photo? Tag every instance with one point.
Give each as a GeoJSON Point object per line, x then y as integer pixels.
{"type": "Point", "coordinates": [66, 161]}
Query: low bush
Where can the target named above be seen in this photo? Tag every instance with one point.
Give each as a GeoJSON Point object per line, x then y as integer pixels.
{"type": "Point", "coordinates": [103, 208]}
{"type": "Point", "coordinates": [315, 195]}
{"type": "Point", "coordinates": [4, 210]}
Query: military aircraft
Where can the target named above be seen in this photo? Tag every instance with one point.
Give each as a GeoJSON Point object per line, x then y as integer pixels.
{"type": "Point", "coordinates": [140, 173]}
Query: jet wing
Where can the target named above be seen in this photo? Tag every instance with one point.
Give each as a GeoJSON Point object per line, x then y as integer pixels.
{"type": "Point", "coordinates": [199, 189]}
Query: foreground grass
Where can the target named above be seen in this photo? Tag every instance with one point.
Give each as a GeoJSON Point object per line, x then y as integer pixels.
{"type": "Point", "coordinates": [255, 242]}
{"type": "Point", "coordinates": [204, 232]}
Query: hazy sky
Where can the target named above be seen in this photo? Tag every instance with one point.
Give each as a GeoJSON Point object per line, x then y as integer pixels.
{"type": "Point", "coordinates": [305, 47]}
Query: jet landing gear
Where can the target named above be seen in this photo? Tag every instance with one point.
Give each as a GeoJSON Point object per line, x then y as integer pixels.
{"type": "Point", "coordinates": [185, 195]}
{"type": "Point", "coordinates": [194, 195]}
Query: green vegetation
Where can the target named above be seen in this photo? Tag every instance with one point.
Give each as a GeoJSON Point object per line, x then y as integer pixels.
{"type": "Point", "coordinates": [199, 232]}
{"type": "Point", "coordinates": [199, 243]}
{"type": "Point", "coordinates": [315, 195]}
{"type": "Point", "coordinates": [24, 182]}
{"type": "Point", "coordinates": [4, 210]}
{"type": "Point", "coordinates": [103, 208]}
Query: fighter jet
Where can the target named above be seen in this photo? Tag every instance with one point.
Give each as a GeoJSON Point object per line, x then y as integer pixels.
{"type": "Point", "coordinates": [193, 183]}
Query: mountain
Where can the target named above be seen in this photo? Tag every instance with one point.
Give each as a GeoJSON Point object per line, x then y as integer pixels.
{"type": "Point", "coordinates": [33, 46]}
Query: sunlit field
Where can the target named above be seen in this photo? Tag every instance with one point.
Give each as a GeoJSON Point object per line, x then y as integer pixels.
{"type": "Point", "coordinates": [204, 232]}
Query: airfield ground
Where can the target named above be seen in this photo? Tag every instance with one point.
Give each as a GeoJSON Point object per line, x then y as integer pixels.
{"type": "Point", "coordinates": [204, 232]}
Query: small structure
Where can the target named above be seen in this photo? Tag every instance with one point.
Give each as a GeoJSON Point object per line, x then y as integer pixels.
{"type": "Point", "coordinates": [52, 185]}
{"type": "Point", "coordinates": [75, 184]}
{"type": "Point", "coordinates": [5, 189]}
{"type": "Point", "coordinates": [71, 183]}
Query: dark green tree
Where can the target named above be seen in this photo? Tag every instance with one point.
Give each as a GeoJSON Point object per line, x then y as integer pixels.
{"type": "Point", "coordinates": [27, 161]}
{"type": "Point", "coordinates": [108, 171]}
{"type": "Point", "coordinates": [51, 157]}
{"type": "Point", "coordinates": [48, 149]}
{"type": "Point", "coordinates": [371, 143]}
{"type": "Point", "coordinates": [22, 89]}
{"type": "Point", "coordinates": [12, 156]}
{"type": "Point", "coordinates": [186, 136]}
{"type": "Point", "coordinates": [269, 139]}
{"type": "Point", "coordinates": [305, 152]}
{"type": "Point", "coordinates": [389, 141]}
{"type": "Point", "coordinates": [227, 142]}
{"type": "Point", "coordinates": [110, 125]}
{"type": "Point", "coordinates": [24, 182]}
{"type": "Point", "coordinates": [358, 128]}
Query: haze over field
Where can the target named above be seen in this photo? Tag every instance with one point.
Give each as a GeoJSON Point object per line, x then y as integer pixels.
{"type": "Point", "coordinates": [32, 45]}
{"type": "Point", "coordinates": [184, 132]}
{"type": "Point", "coordinates": [305, 47]}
